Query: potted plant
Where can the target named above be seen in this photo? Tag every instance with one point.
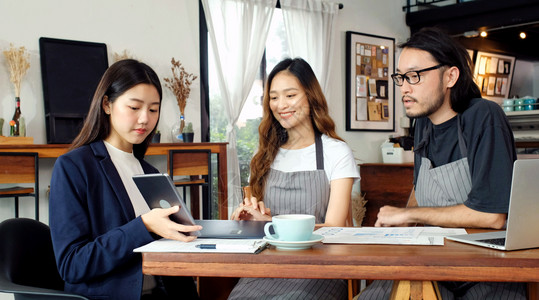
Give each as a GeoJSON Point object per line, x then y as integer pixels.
{"type": "Point", "coordinates": [156, 137]}
{"type": "Point", "coordinates": [188, 134]}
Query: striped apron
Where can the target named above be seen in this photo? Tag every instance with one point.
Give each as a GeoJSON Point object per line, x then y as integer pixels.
{"type": "Point", "coordinates": [448, 185]}
{"type": "Point", "coordinates": [304, 192]}
{"type": "Point", "coordinates": [445, 185]}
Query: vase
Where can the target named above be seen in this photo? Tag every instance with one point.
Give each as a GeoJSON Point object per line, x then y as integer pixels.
{"type": "Point", "coordinates": [176, 130]}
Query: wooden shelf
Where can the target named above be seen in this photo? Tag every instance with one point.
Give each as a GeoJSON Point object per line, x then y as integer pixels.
{"type": "Point", "coordinates": [16, 140]}
{"type": "Point", "coordinates": [55, 150]}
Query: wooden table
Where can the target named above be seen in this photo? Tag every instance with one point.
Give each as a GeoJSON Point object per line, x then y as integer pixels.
{"type": "Point", "coordinates": [55, 150]}
{"type": "Point", "coordinates": [452, 262]}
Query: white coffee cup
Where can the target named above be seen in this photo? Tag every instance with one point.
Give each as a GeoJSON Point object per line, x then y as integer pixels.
{"type": "Point", "coordinates": [291, 228]}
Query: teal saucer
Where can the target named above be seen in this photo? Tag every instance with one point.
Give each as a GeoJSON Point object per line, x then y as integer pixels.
{"type": "Point", "coordinates": [295, 245]}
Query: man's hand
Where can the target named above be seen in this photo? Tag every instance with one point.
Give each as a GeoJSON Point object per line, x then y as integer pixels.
{"type": "Point", "coordinates": [392, 216]}
{"type": "Point", "coordinates": [447, 216]}
{"type": "Point", "coordinates": [158, 222]}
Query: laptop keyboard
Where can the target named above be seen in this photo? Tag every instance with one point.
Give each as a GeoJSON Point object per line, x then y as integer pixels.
{"type": "Point", "coordinates": [498, 241]}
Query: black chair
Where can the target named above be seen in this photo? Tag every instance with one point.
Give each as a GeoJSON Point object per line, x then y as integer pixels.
{"type": "Point", "coordinates": [27, 264]}
{"type": "Point", "coordinates": [195, 167]}
{"type": "Point", "coordinates": [17, 168]}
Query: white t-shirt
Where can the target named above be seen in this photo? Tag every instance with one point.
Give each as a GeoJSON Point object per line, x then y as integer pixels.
{"type": "Point", "coordinates": [128, 165]}
{"type": "Point", "coordinates": [339, 161]}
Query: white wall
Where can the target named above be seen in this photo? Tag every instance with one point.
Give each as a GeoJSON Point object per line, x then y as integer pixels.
{"type": "Point", "coordinates": [152, 31]}
{"type": "Point", "coordinates": [378, 17]}
{"type": "Point", "coordinates": [524, 83]}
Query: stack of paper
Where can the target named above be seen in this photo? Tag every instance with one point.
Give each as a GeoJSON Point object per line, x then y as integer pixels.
{"type": "Point", "coordinates": [206, 245]}
{"type": "Point", "coordinates": [387, 235]}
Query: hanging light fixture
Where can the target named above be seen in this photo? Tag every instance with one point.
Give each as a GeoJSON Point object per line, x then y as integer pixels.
{"type": "Point", "coordinates": [471, 34]}
{"type": "Point", "coordinates": [483, 33]}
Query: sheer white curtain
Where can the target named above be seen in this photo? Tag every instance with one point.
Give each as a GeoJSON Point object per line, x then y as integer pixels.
{"type": "Point", "coordinates": [238, 31]}
{"type": "Point", "coordinates": [310, 30]}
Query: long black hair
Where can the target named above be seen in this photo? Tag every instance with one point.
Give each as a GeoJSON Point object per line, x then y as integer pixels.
{"type": "Point", "coordinates": [449, 52]}
{"type": "Point", "coordinates": [119, 77]}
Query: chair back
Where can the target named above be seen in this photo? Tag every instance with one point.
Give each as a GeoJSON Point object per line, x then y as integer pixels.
{"type": "Point", "coordinates": [26, 254]}
{"type": "Point", "coordinates": [18, 167]}
{"type": "Point", "coordinates": [194, 168]}
{"type": "Point", "coordinates": [189, 162]}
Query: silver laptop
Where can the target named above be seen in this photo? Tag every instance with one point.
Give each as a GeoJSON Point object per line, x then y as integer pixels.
{"type": "Point", "coordinates": [522, 229]}
{"type": "Point", "coordinates": [159, 192]}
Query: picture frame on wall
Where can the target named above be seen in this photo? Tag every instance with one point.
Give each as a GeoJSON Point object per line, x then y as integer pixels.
{"type": "Point", "coordinates": [370, 92]}
{"type": "Point", "coordinates": [493, 73]}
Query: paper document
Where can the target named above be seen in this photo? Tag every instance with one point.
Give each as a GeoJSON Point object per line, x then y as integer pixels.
{"type": "Point", "coordinates": [206, 246]}
{"type": "Point", "coordinates": [387, 235]}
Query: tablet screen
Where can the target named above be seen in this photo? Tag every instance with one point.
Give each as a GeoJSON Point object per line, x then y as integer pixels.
{"type": "Point", "coordinates": [159, 192]}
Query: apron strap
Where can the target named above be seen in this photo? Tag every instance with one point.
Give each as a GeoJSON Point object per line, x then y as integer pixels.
{"type": "Point", "coordinates": [462, 143]}
{"type": "Point", "coordinates": [319, 151]}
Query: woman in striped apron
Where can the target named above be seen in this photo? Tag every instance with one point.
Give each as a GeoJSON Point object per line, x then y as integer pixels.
{"type": "Point", "coordinates": [294, 173]}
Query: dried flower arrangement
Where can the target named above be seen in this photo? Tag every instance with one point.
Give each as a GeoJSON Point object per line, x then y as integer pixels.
{"type": "Point", "coordinates": [121, 56]}
{"type": "Point", "coordinates": [180, 83]}
{"type": "Point", "coordinates": [19, 62]}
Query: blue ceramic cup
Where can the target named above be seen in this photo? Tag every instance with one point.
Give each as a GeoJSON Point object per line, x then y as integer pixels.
{"type": "Point", "coordinates": [519, 104]}
{"type": "Point", "coordinates": [528, 103]}
{"type": "Point", "coordinates": [291, 228]}
{"type": "Point", "coordinates": [508, 105]}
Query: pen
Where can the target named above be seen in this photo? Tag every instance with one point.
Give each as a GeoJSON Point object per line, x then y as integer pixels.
{"type": "Point", "coordinates": [207, 246]}
{"type": "Point", "coordinates": [229, 247]}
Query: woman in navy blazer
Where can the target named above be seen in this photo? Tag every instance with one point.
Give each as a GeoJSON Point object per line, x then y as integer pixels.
{"type": "Point", "coordinates": [97, 215]}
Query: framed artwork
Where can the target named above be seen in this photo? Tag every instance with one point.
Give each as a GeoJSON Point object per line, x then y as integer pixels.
{"type": "Point", "coordinates": [370, 92]}
{"type": "Point", "coordinates": [493, 74]}
{"type": "Point", "coordinates": [471, 54]}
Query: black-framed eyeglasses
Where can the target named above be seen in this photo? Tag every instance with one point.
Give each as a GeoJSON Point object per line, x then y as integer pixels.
{"type": "Point", "coordinates": [411, 76]}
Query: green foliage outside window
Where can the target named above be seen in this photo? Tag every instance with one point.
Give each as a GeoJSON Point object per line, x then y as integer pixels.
{"type": "Point", "coordinates": [247, 141]}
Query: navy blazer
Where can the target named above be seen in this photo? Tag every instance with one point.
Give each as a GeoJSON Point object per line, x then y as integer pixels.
{"type": "Point", "coordinates": [93, 226]}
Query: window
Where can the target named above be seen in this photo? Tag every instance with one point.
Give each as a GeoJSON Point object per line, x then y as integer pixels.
{"type": "Point", "coordinates": [249, 120]}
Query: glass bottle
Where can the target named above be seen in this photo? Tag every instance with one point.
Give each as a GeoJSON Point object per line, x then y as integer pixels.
{"type": "Point", "coordinates": [15, 124]}
{"type": "Point", "coordinates": [177, 129]}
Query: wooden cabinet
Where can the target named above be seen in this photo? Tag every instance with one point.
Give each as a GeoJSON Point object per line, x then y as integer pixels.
{"type": "Point", "coordinates": [385, 184]}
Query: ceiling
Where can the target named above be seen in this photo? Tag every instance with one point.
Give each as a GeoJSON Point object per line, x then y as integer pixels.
{"type": "Point", "coordinates": [503, 21]}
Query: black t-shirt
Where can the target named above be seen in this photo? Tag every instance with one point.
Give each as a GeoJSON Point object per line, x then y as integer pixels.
{"type": "Point", "coordinates": [490, 151]}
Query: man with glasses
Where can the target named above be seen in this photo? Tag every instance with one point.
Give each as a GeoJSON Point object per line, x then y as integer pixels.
{"type": "Point", "coordinates": [464, 152]}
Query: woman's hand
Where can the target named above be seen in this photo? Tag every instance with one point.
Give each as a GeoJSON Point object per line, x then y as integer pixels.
{"type": "Point", "coordinates": [252, 209]}
{"type": "Point", "coordinates": [255, 204]}
{"type": "Point", "coordinates": [158, 222]}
